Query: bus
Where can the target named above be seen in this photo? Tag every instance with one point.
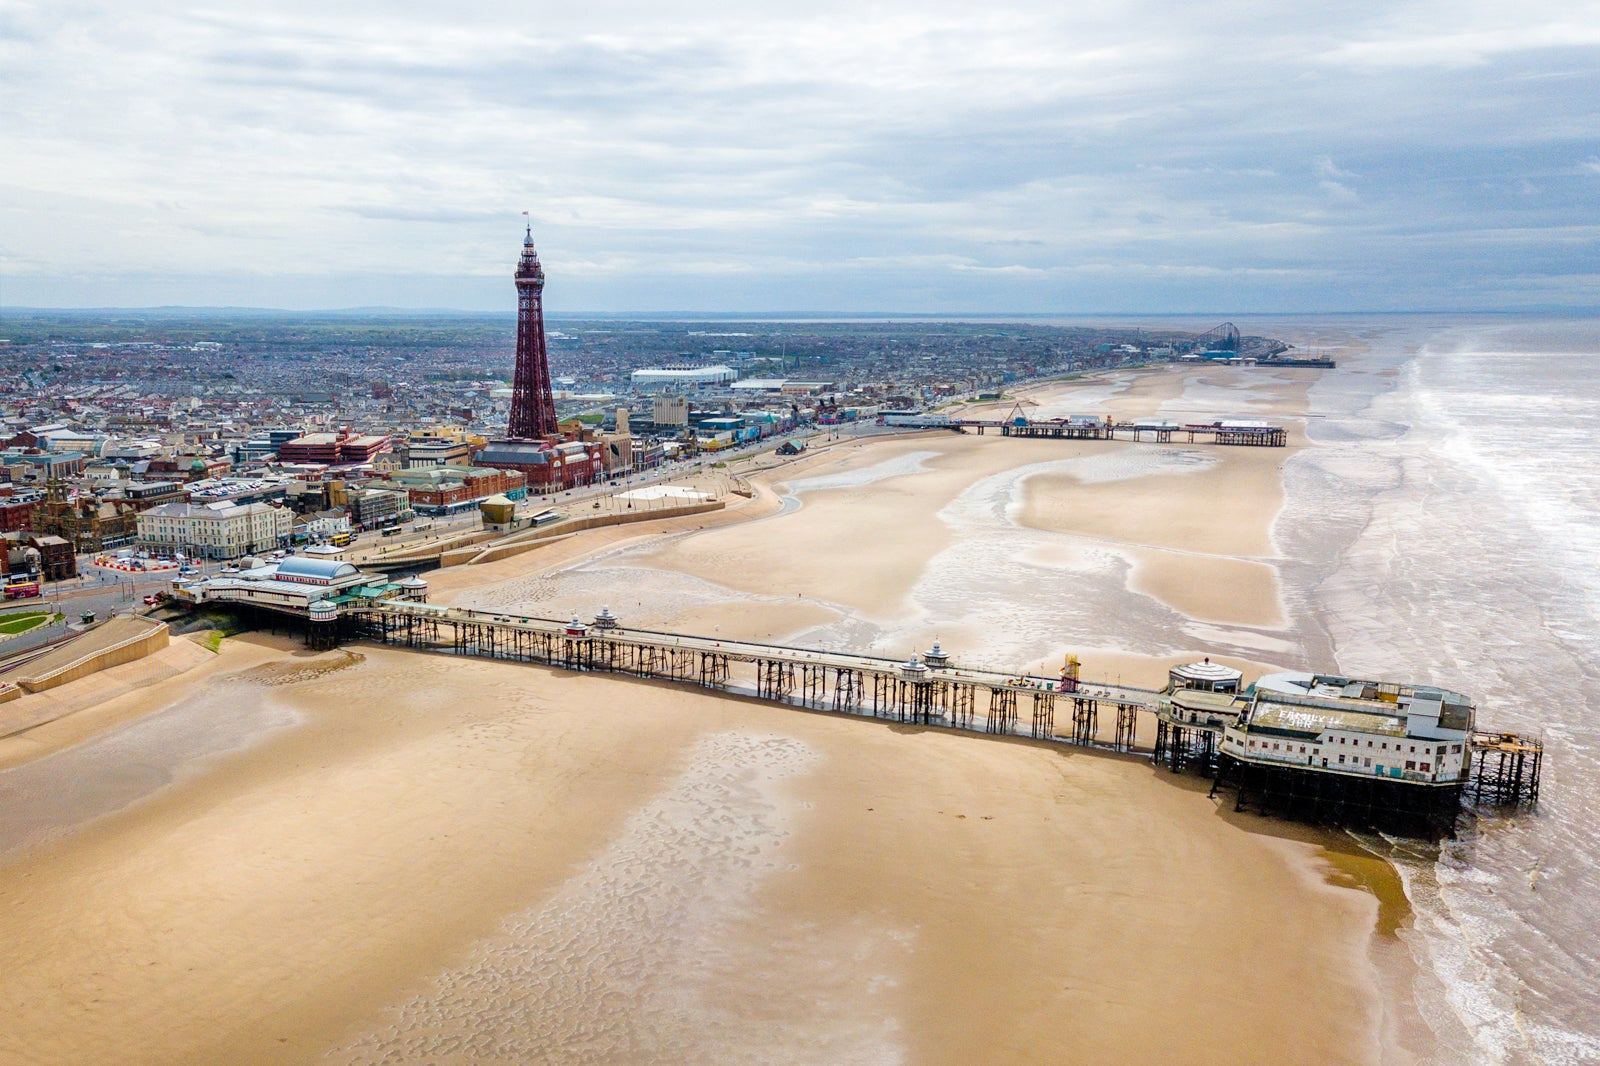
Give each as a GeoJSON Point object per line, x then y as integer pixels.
{"type": "Point", "coordinates": [22, 590]}
{"type": "Point", "coordinates": [340, 540]}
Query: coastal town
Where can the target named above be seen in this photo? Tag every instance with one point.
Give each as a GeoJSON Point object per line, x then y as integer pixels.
{"type": "Point", "coordinates": [189, 449]}
{"type": "Point", "coordinates": [222, 511]}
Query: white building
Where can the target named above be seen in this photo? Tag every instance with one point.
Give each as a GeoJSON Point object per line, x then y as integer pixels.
{"type": "Point", "coordinates": [424, 453]}
{"type": "Point", "coordinates": [683, 377]}
{"type": "Point", "coordinates": [293, 584]}
{"type": "Point", "coordinates": [216, 530]}
{"type": "Point", "coordinates": [1337, 725]}
{"type": "Point", "coordinates": [325, 524]}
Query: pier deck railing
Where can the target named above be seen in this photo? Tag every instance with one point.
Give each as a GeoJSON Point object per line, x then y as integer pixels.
{"type": "Point", "coordinates": [967, 698]}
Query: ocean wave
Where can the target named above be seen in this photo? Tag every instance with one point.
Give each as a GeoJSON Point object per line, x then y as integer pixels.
{"type": "Point", "coordinates": [1464, 551]}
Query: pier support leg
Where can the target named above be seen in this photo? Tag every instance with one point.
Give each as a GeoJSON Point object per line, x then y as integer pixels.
{"type": "Point", "coordinates": [1127, 725]}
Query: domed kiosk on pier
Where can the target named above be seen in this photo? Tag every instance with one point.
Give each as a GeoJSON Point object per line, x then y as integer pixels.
{"type": "Point", "coordinates": [322, 625]}
{"type": "Point", "coordinates": [1201, 700]}
{"type": "Point", "coordinates": [1204, 676]}
{"type": "Point", "coordinates": [914, 670]}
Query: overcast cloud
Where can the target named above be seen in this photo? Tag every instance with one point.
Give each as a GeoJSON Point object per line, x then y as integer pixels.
{"type": "Point", "coordinates": [1132, 156]}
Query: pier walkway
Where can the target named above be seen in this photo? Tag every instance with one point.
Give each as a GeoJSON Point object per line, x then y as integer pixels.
{"type": "Point", "coordinates": [1247, 434]}
{"type": "Point", "coordinates": [926, 691]}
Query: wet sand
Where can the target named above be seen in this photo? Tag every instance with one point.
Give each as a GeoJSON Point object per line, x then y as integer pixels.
{"type": "Point", "coordinates": [458, 861]}
{"type": "Point", "coordinates": [1191, 525]}
{"type": "Point", "coordinates": [407, 857]}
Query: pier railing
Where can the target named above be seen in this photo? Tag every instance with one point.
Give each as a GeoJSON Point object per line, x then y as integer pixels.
{"type": "Point", "coordinates": [955, 697]}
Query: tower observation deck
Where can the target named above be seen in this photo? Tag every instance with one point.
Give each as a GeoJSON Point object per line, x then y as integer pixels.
{"type": "Point", "coordinates": [533, 405]}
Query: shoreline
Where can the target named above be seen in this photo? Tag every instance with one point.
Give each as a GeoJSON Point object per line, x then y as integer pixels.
{"type": "Point", "coordinates": [820, 797]}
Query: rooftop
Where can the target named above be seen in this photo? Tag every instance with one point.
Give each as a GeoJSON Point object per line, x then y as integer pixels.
{"type": "Point", "coordinates": [523, 452]}
{"type": "Point", "coordinates": [1308, 704]}
{"type": "Point", "coordinates": [1313, 721]}
{"type": "Point", "coordinates": [432, 474]}
{"type": "Point", "coordinates": [1207, 671]}
{"type": "Point", "coordinates": [1206, 701]}
{"type": "Point", "coordinates": [318, 569]}
{"type": "Point", "coordinates": [1353, 692]}
{"type": "Point", "coordinates": [221, 509]}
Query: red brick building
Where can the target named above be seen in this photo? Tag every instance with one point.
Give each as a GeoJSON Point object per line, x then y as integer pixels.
{"type": "Point", "coordinates": [334, 449]}
{"type": "Point", "coordinates": [14, 516]}
{"type": "Point", "coordinates": [190, 467]}
{"type": "Point", "coordinates": [439, 487]}
{"type": "Point", "coordinates": [56, 557]}
{"type": "Point", "coordinates": [549, 467]}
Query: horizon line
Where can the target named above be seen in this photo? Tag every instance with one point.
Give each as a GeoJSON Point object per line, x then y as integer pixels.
{"type": "Point", "coordinates": [694, 315]}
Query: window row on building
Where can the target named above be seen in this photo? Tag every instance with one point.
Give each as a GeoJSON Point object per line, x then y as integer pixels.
{"type": "Point", "coordinates": [215, 531]}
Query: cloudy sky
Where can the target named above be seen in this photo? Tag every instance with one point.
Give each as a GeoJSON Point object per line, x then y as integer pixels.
{"type": "Point", "coordinates": [1121, 156]}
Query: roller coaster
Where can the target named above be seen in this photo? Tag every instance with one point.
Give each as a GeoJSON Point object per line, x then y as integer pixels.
{"type": "Point", "coordinates": [1224, 338]}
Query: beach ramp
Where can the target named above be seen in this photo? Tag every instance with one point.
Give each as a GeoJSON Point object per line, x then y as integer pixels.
{"type": "Point", "coordinates": [121, 640]}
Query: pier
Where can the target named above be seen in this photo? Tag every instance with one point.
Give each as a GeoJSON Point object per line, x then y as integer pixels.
{"type": "Point", "coordinates": [1506, 769]}
{"type": "Point", "coordinates": [1155, 431]}
{"type": "Point", "coordinates": [925, 690]}
{"type": "Point", "coordinates": [1199, 717]}
{"type": "Point", "coordinates": [1321, 747]}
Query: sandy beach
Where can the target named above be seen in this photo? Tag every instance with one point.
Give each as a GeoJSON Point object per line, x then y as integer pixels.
{"type": "Point", "coordinates": [380, 855]}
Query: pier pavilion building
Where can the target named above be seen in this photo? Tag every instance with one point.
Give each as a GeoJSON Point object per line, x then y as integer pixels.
{"type": "Point", "coordinates": [295, 584]}
{"type": "Point", "coordinates": [1334, 746]}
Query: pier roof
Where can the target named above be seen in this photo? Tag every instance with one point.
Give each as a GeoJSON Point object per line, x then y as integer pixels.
{"type": "Point", "coordinates": [322, 570]}
{"type": "Point", "coordinates": [1206, 671]}
{"type": "Point", "coordinates": [1298, 719]}
{"type": "Point", "coordinates": [1352, 692]}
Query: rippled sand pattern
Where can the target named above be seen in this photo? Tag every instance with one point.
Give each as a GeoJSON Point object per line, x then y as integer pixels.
{"type": "Point", "coordinates": [294, 671]}
{"type": "Point", "coordinates": [635, 959]}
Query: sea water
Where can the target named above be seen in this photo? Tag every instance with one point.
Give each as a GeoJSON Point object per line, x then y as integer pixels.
{"type": "Point", "coordinates": [1444, 528]}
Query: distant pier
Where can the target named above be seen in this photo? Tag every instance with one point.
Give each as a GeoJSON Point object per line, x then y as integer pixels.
{"type": "Point", "coordinates": [1078, 427]}
{"type": "Point", "coordinates": [1246, 434]}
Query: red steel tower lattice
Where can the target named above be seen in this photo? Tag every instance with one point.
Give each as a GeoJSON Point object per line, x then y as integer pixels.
{"type": "Point", "coordinates": [533, 405]}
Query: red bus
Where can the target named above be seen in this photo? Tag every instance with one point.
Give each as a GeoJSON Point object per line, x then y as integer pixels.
{"type": "Point", "coordinates": [22, 590]}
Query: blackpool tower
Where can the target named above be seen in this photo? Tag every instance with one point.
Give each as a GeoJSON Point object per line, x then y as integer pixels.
{"type": "Point", "coordinates": [533, 407]}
